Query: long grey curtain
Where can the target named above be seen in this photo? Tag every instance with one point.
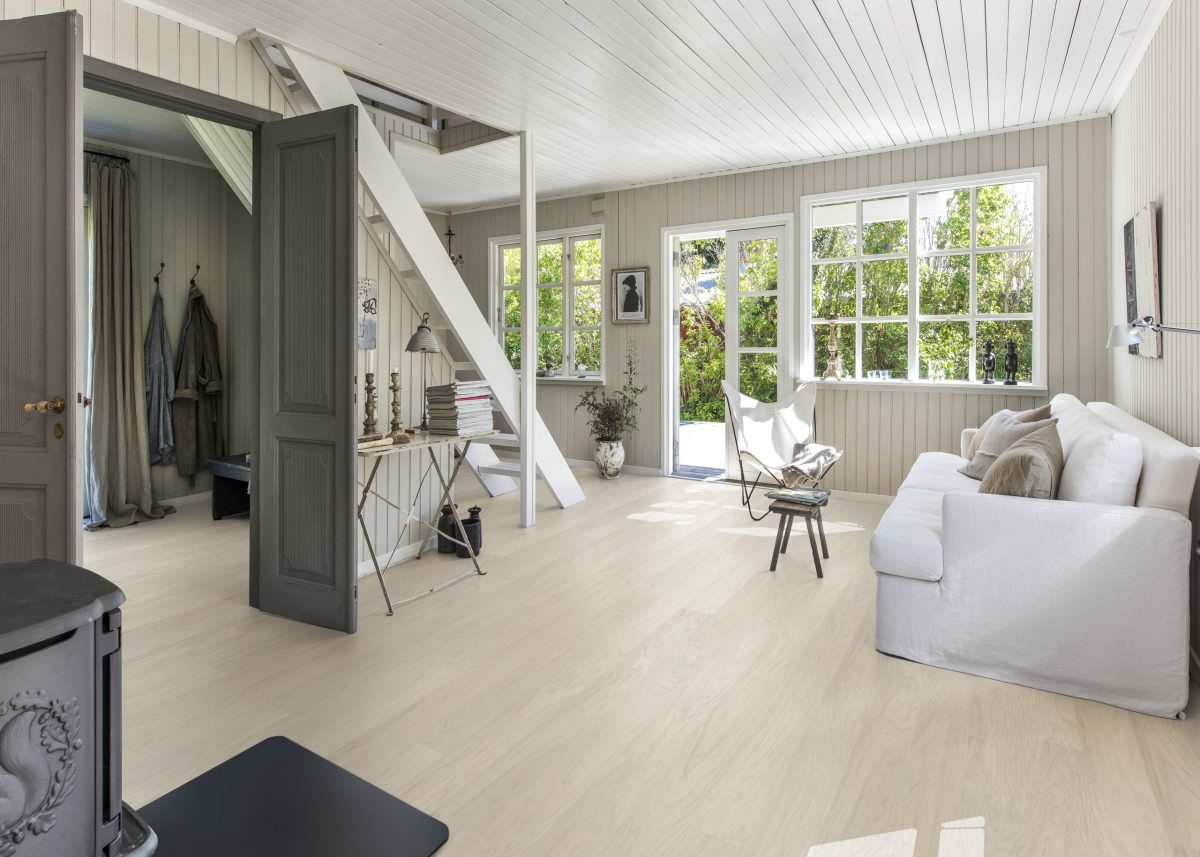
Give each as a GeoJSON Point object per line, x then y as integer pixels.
{"type": "Point", "coordinates": [117, 481]}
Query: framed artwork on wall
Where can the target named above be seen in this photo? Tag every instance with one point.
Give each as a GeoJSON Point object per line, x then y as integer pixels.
{"type": "Point", "coordinates": [631, 295]}
{"type": "Point", "coordinates": [1142, 295]}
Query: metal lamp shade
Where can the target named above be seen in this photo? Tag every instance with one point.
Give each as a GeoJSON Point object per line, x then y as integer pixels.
{"type": "Point", "coordinates": [423, 340]}
{"type": "Point", "coordinates": [1124, 334]}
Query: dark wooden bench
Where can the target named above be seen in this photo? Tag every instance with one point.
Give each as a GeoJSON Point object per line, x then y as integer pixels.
{"type": "Point", "coordinates": [230, 486]}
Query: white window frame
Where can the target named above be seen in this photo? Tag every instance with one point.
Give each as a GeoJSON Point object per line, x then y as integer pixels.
{"type": "Point", "coordinates": [496, 289]}
{"type": "Point", "coordinates": [808, 358]}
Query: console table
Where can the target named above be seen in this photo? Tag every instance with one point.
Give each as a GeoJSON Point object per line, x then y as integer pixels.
{"type": "Point", "coordinates": [417, 442]}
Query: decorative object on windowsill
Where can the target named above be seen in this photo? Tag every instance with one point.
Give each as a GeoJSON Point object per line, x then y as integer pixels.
{"type": "Point", "coordinates": [397, 433]}
{"type": "Point", "coordinates": [989, 362]}
{"type": "Point", "coordinates": [631, 295]}
{"type": "Point", "coordinates": [370, 423]}
{"type": "Point", "coordinates": [610, 418]}
{"type": "Point", "coordinates": [1010, 363]}
{"type": "Point", "coordinates": [1132, 333]}
{"type": "Point", "coordinates": [474, 527]}
{"type": "Point", "coordinates": [423, 342]}
{"type": "Point", "coordinates": [833, 366]}
{"type": "Point", "coordinates": [447, 531]}
{"type": "Point", "coordinates": [455, 260]}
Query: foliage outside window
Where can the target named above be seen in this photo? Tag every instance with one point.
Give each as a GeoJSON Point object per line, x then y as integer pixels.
{"type": "Point", "coordinates": [919, 281]}
{"type": "Point", "coordinates": [569, 308]}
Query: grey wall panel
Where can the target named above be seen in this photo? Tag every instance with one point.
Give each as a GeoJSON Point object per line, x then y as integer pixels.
{"type": "Point", "coordinates": [882, 432]}
{"type": "Point", "coordinates": [1155, 158]}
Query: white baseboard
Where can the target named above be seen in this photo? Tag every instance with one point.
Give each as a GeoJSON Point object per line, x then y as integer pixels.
{"type": "Point", "coordinates": [189, 499]}
{"type": "Point", "coordinates": [859, 496]}
{"type": "Point", "coordinates": [408, 552]}
{"type": "Point", "coordinates": [635, 469]}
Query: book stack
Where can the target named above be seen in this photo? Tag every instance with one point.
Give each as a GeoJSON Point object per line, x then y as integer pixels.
{"type": "Point", "coordinates": [804, 496]}
{"type": "Point", "coordinates": [460, 408]}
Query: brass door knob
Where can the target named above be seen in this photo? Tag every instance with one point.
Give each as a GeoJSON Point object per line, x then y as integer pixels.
{"type": "Point", "coordinates": [56, 404]}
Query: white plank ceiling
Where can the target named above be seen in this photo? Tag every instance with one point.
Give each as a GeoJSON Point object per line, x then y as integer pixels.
{"type": "Point", "coordinates": [621, 92]}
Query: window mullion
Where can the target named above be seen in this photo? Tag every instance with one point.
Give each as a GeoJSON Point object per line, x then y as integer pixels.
{"type": "Point", "coordinates": [972, 308]}
{"type": "Point", "coordinates": [914, 289]}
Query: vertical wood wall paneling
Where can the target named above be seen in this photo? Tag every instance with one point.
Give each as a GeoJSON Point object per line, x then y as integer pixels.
{"type": "Point", "coordinates": [1155, 159]}
{"type": "Point", "coordinates": [184, 220]}
{"type": "Point", "coordinates": [399, 475]}
{"type": "Point", "coordinates": [881, 431]}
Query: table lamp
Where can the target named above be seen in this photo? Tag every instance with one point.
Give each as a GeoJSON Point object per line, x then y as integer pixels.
{"type": "Point", "coordinates": [425, 343]}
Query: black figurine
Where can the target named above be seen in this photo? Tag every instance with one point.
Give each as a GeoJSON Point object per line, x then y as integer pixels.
{"type": "Point", "coordinates": [1010, 364]}
{"type": "Point", "coordinates": [989, 362]}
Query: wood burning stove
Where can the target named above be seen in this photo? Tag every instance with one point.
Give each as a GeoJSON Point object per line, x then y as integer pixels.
{"type": "Point", "coordinates": [60, 714]}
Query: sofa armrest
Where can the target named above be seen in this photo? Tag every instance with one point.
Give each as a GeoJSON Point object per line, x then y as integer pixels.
{"type": "Point", "coordinates": [964, 442]}
{"type": "Point", "coordinates": [1089, 597]}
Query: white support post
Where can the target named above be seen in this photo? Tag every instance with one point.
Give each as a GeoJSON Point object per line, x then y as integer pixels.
{"type": "Point", "coordinates": [529, 303]}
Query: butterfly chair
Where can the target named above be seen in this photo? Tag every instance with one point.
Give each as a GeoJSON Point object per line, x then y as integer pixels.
{"type": "Point", "coordinates": [775, 440]}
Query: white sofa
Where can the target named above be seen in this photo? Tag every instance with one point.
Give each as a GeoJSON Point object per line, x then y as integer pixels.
{"type": "Point", "coordinates": [1079, 598]}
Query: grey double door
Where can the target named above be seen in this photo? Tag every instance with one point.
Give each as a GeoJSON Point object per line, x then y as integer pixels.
{"type": "Point", "coordinates": [303, 552]}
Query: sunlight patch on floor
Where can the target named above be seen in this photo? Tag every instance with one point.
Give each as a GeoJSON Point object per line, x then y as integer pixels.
{"type": "Point", "coordinates": [963, 838]}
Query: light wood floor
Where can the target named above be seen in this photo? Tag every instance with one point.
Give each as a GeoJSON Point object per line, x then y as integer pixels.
{"type": "Point", "coordinates": [629, 679]}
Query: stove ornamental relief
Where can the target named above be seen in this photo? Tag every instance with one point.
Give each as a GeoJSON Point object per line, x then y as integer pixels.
{"type": "Point", "coordinates": [39, 740]}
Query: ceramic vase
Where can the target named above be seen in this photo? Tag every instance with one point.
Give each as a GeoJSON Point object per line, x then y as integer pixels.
{"type": "Point", "coordinates": [610, 456]}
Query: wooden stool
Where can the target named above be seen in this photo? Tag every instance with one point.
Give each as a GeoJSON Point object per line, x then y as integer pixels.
{"type": "Point", "coordinates": [787, 512]}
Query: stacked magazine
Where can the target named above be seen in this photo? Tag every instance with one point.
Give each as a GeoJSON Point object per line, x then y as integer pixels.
{"type": "Point", "coordinates": [804, 496]}
{"type": "Point", "coordinates": [460, 408]}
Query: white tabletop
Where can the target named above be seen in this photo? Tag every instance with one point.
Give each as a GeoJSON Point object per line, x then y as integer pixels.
{"type": "Point", "coordinates": [422, 440]}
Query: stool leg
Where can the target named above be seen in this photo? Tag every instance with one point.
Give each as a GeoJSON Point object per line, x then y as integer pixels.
{"type": "Point", "coordinates": [787, 534]}
{"type": "Point", "coordinates": [783, 520]}
{"type": "Point", "coordinates": [812, 542]}
{"type": "Point", "coordinates": [821, 530]}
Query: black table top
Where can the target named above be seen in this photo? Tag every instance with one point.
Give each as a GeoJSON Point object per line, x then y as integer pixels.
{"type": "Point", "coordinates": [277, 799]}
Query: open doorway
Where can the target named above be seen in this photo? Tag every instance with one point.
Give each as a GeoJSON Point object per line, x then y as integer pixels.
{"type": "Point", "coordinates": [729, 319]}
{"type": "Point", "coordinates": [169, 241]}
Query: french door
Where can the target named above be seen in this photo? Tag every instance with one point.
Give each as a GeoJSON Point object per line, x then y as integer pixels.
{"type": "Point", "coordinates": [755, 358]}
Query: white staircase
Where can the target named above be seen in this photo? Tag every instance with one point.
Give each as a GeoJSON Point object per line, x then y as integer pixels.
{"type": "Point", "coordinates": [471, 339]}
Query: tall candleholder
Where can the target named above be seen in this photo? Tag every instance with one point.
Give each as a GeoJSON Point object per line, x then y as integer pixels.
{"type": "Point", "coordinates": [397, 433]}
{"type": "Point", "coordinates": [370, 423]}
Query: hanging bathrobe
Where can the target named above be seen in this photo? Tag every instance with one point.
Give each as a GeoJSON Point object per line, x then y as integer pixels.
{"type": "Point", "coordinates": [196, 408]}
{"type": "Point", "coordinates": [160, 386]}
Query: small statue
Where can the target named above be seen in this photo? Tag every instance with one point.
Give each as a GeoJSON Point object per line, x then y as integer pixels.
{"type": "Point", "coordinates": [989, 362]}
{"type": "Point", "coordinates": [1010, 364]}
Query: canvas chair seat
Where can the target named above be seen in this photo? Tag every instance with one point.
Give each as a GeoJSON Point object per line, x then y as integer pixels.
{"type": "Point", "coordinates": [776, 439]}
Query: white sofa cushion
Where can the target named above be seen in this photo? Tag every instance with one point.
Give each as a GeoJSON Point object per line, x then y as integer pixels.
{"type": "Point", "coordinates": [1074, 420]}
{"type": "Point", "coordinates": [908, 540]}
{"type": "Point", "coordinates": [1168, 466]}
{"type": "Point", "coordinates": [938, 471]}
{"type": "Point", "coordinates": [1102, 467]}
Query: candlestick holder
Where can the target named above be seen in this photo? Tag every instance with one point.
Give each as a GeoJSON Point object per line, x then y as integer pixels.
{"type": "Point", "coordinates": [370, 423]}
{"type": "Point", "coordinates": [397, 433]}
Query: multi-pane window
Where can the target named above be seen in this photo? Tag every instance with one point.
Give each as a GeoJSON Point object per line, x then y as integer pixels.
{"type": "Point", "coordinates": [917, 282]}
{"type": "Point", "coordinates": [570, 311]}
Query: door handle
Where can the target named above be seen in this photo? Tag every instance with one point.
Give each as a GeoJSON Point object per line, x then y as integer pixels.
{"type": "Point", "coordinates": [56, 404]}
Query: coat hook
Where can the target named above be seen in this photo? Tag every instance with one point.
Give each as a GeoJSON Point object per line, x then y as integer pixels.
{"type": "Point", "coordinates": [195, 275]}
{"type": "Point", "coordinates": [161, 267]}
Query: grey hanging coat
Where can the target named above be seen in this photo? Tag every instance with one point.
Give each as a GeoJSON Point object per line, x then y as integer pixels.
{"type": "Point", "coordinates": [196, 408]}
{"type": "Point", "coordinates": [160, 386]}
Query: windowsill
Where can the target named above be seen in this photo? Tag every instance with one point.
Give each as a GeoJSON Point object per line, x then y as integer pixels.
{"type": "Point", "coordinates": [904, 385]}
{"type": "Point", "coordinates": [593, 381]}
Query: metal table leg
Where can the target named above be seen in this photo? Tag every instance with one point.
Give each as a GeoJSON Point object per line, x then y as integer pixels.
{"type": "Point", "coordinates": [447, 486]}
{"type": "Point", "coordinates": [366, 535]}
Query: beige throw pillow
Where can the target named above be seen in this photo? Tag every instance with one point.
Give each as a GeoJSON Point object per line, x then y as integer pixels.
{"type": "Point", "coordinates": [1033, 415]}
{"type": "Point", "coordinates": [1005, 430]}
{"type": "Point", "coordinates": [1031, 467]}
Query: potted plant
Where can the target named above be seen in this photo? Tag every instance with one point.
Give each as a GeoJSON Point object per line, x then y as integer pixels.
{"type": "Point", "coordinates": [610, 418]}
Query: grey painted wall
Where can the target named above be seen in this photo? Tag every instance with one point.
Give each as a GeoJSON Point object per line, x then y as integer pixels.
{"type": "Point", "coordinates": [1155, 159]}
{"type": "Point", "coordinates": [881, 431]}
